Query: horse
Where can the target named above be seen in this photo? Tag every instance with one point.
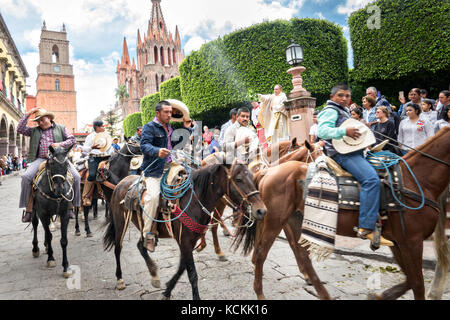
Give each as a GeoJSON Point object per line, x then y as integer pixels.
{"type": "Point", "coordinates": [52, 197]}
{"type": "Point", "coordinates": [119, 165]}
{"type": "Point", "coordinates": [209, 184]}
{"type": "Point", "coordinates": [288, 151]}
{"type": "Point", "coordinates": [285, 207]}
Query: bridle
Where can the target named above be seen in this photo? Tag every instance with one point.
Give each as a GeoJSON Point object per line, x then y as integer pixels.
{"type": "Point", "coordinates": [128, 148]}
{"type": "Point", "coordinates": [310, 154]}
{"type": "Point", "coordinates": [244, 196]}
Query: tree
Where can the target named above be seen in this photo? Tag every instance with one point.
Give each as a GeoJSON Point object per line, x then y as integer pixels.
{"type": "Point", "coordinates": [112, 119]}
{"type": "Point", "coordinates": [122, 93]}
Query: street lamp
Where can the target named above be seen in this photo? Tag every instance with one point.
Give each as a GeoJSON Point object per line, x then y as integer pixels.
{"type": "Point", "coordinates": [294, 54]}
{"type": "Point", "coordinates": [294, 57]}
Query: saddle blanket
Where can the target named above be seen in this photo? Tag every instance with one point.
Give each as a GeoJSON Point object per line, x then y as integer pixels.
{"type": "Point", "coordinates": [320, 213]}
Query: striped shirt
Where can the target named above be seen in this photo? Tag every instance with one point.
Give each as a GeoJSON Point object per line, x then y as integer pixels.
{"type": "Point", "coordinates": [46, 138]}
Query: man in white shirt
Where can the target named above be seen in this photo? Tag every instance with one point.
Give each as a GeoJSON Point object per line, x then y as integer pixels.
{"type": "Point", "coordinates": [97, 153]}
{"type": "Point", "coordinates": [273, 115]}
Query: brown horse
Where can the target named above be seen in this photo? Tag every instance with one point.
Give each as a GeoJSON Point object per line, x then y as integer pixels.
{"type": "Point", "coordinates": [209, 185]}
{"type": "Point", "coordinates": [285, 205]}
{"type": "Point", "coordinates": [280, 152]}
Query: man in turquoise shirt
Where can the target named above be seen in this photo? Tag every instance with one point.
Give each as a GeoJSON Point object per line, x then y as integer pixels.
{"type": "Point", "coordinates": [329, 120]}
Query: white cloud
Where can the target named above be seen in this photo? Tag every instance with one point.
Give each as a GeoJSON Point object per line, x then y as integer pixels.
{"type": "Point", "coordinates": [320, 15]}
{"type": "Point", "coordinates": [352, 5]}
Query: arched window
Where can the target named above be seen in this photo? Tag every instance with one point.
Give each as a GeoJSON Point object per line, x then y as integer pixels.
{"type": "Point", "coordinates": [57, 85]}
{"type": "Point", "coordinates": [169, 57]}
{"type": "Point", "coordinates": [162, 56]}
{"type": "Point", "coordinates": [156, 54]}
{"type": "Point", "coordinates": [55, 54]}
{"type": "Point", "coordinates": [174, 57]}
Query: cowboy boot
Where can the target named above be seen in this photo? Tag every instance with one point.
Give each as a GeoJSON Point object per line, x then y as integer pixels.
{"type": "Point", "coordinates": [28, 212]}
{"type": "Point", "coordinates": [88, 190]}
{"type": "Point", "coordinates": [149, 242]}
{"type": "Point", "coordinates": [369, 234]}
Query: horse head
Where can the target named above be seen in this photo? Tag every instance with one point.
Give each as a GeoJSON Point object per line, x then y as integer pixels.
{"type": "Point", "coordinates": [315, 150]}
{"type": "Point", "coordinates": [57, 165]}
{"type": "Point", "coordinates": [131, 148]}
{"type": "Point", "coordinates": [241, 190]}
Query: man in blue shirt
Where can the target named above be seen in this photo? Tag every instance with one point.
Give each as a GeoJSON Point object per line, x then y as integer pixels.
{"type": "Point", "coordinates": [329, 120]}
{"type": "Point", "coordinates": [155, 146]}
{"type": "Point", "coordinates": [115, 144]}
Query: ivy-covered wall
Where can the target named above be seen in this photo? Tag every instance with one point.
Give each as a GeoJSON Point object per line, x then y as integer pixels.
{"type": "Point", "coordinates": [131, 123]}
{"type": "Point", "coordinates": [223, 73]}
{"type": "Point", "coordinates": [148, 105]}
{"type": "Point", "coordinates": [170, 89]}
{"type": "Point", "coordinates": [410, 49]}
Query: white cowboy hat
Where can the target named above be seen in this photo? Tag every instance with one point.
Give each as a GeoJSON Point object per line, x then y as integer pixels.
{"type": "Point", "coordinates": [43, 113]}
{"type": "Point", "coordinates": [180, 111]}
{"type": "Point", "coordinates": [103, 140]}
{"type": "Point", "coordinates": [136, 162]}
{"type": "Point", "coordinates": [347, 144]}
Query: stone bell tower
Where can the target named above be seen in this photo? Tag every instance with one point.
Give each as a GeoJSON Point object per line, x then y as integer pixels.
{"type": "Point", "coordinates": [55, 83]}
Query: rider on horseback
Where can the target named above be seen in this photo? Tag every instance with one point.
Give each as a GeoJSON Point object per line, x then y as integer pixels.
{"type": "Point", "coordinates": [46, 134]}
{"type": "Point", "coordinates": [329, 120]}
{"type": "Point", "coordinates": [155, 146]}
{"type": "Point", "coordinates": [99, 146]}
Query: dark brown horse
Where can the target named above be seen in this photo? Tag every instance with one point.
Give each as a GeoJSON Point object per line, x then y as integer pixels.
{"type": "Point", "coordinates": [284, 202]}
{"type": "Point", "coordinates": [209, 185]}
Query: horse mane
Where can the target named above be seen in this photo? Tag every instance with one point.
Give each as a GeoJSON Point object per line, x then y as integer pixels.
{"type": "Point", "coordinates": [203, 177]}
{"type": "Point", "coordinates": [427, 143]}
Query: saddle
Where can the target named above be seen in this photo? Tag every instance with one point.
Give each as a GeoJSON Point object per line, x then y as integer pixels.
{"type": "Point", "coordinates": [350, 189]}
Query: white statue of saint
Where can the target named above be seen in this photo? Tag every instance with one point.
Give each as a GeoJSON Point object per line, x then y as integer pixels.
{"type": "Point", "coordinates": [273, 115]}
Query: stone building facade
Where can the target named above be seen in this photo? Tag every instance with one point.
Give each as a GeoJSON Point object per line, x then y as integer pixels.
{"type": "Point", "coordinates": [13, 76]}
{"type": "Point", "coordinates": [55, 84]}
{"type": "Point", "coordinates": [158, 53]}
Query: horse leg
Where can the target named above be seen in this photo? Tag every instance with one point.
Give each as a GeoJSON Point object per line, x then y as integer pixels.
{"type": "Point", "coordinates": [95, 208]}
{"type": "Point", "coordinates": [63, 241]}
{"type": "Point", "coordinates": [106, 208]}
{"type": "Point", "coordinates": [152, 267]}
{"type": "Point", "coordinates": [192, 274]}
{"type": "Point", "coordinates": [172, 282]}
{"type": "Point", "coordinates": [48, 243]}
{"type": "Point", "coordinates": [120, 283]}
{"type": "Point", "coordinates": [86, 222]}
{"type": "Point", "coordinates": [412, 253]}
{"type": "Point", "coordinates": [77, 226]}
{"type": "Point", "coordinates": [218, 217]}
{"type": "Point", "coordinates": [260, 252]}
{"type": "Point", "coordinates": [304, 262]}
{"type": "Point", "coordinates": [35, 221]}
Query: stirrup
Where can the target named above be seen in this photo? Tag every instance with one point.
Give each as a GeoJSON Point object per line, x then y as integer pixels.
{"type": "Point", "coordinates": [361, 233]}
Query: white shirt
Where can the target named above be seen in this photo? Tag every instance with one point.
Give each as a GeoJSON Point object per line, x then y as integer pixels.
{"type": "Point", "coordinates": [87, 147]}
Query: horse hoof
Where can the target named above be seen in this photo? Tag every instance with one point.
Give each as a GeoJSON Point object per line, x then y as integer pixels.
{"type": "Point", "coordinates": [156, 284]}
{"type": "Point", "coordinates": [77, 233]}
{"type": "Point", "coordinates": [67, 274]}
{"type": "Point", "coordinates": [223, 258]}
{"type": "Point", "coordinates": [89, 235]}
{"type": "Point", "coordinates": [51, 264]}
{"type": "Point", "coordinates": [200, 249]}
{"type": "Point", "coordinates": [163, 297]}
{"type": "Point", "coordinates": [36, 254]}
{"type": "Point", "coordinates": [120, 285]}
{"type": "Point", "coordinates": [374, 296]}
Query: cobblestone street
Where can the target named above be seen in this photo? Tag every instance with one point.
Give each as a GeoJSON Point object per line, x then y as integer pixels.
{"type": "Point", "coordinates": [24, 277]}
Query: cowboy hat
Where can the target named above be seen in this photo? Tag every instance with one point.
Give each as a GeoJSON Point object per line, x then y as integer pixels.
{"type": "Point", "coordinates": [103, 140]}
{"type": "Point", "coordinates": [347, 144]}
{"type": "Point", "coordinates": [43, 113]}
{"type": "Point", "coordinates": [136, 162]}
{"type": "Point", "coordinates": [180, 111]}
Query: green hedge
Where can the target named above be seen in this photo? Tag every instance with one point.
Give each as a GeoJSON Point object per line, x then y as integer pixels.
{"type": "Point", "coordinates": [411, 49]}
{"type": "Point", "coordinates": [148, 105]}
{"type": "Point", "coordinates": [225, 72]}
{"type": "Point", "coordinates": [131, 123]}
{"type": "Point", "coordinates": [170, 89]}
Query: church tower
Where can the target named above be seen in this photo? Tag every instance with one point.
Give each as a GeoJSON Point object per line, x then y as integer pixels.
{"type": "Point", "coordinates": [158, 53]}
{"type": "Point", "coordinates": [55, 84]}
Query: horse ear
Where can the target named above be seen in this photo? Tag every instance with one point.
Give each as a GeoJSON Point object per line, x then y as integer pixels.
{"type": "Point", "coordinates": [52, 150]}
{"type": "Point", "coordinates": [308, 145]}
{"type": "Point", "coordinates": [294, 142]}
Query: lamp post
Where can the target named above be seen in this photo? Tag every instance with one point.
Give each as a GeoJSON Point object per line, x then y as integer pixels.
{"type": "Point", "coordinates": [294, 57]}
{"type": "Point", "coordinates": [300, 105]}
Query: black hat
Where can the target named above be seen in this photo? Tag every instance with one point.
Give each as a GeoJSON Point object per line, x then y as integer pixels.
{"type": "Point", "coordinates": [97, 123]}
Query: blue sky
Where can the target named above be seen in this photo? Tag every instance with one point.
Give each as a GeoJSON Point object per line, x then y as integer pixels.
{"type": "Point", "coordinates": [96, 29]}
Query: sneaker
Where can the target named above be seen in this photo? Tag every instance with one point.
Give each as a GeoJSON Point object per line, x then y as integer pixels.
{"type": "Point", "coordinates": [26, 217]}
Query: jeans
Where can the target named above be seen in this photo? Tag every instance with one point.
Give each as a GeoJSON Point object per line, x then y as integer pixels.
{"type": "Point", "coordinates": [362, 170]}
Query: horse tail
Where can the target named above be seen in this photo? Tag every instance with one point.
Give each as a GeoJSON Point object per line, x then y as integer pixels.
{"type": "Point", "coordinates": [442, 251]}
{"type": "Point", "coordinates": [109, 238]}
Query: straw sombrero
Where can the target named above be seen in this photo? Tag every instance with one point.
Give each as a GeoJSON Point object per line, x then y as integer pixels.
{"type": "Point", "coordinates": [43, 113]}
{"type": "Point", "coordinates": [180, 111]}
{"type": "Point", "coordinates": [136, 162]}
{"type": "Point", "coordinates": [347, 144]}
{"type": "Point", "coordinates": [103, 140]}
